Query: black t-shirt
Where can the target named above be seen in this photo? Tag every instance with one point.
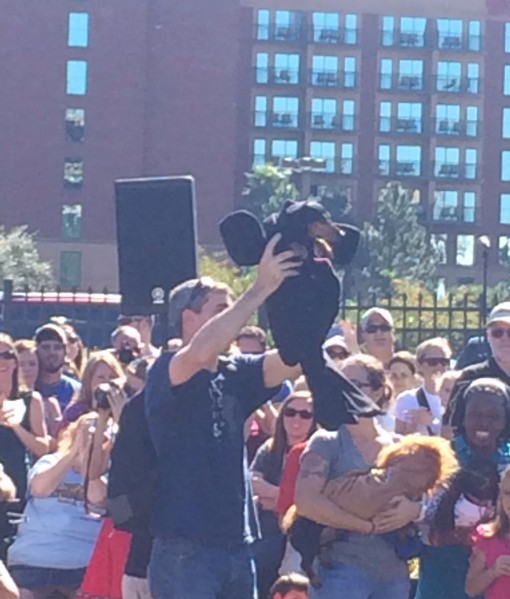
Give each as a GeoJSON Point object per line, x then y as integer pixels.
{"type": "Point", "coordinates": [203, 490]}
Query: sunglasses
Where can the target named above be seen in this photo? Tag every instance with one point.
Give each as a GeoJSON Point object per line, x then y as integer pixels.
{"type": "Point", "coordinates": [373, 328]}
{"type": "Point", "coordinates": [337, 354]}
{"type": "Point", "coordinates": [303, 414]}
{"type": "Point", "coordinates": [7, 355]}
{"type": "Point", "coordinates": [499, 333]}
{"type": "Point", "coordinates": [435, 361]}
{"type": "Point", "coordinates": [362, 385]}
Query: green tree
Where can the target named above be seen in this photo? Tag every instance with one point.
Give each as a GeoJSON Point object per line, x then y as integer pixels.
{"type": "Point", "coordinates": [20, 260]}
{"type": "Point", "coordinates": [218, 267]}
{"type": "Point", "coordinates": [267, 188]}
{"type": "Point", "coordinates": [396, 245]}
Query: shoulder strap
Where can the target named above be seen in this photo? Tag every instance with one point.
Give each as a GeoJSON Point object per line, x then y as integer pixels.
{"type": "Point", "coordinates": [422, 400]}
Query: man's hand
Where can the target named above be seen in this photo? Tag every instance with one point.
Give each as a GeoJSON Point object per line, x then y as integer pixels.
{"type": "Point", "coordinates": [401, 512]}
{"type": "Point", "coordinates": [502, 566]}
{"type": "Point", "coordinates": [274, 268]}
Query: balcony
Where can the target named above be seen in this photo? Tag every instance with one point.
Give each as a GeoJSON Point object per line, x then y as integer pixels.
{"type": "Point", "coordinates": [454, 215]}
{"type": "Point", "coordinates": [400, 125]}
{"type": "Point", "coordinates": [403, 39]}
{"type": "Point", "coordinates": [458, 85]}
{"type": "Point", "coordinates": [335, 79]}
{"type": "Point", "coordinates": [401, 82]}
{"type": "Point", "coordinates": [456, 127]}
{"type": "Point", "coordinates": [280, 32]}
{"type": "Point", "coordinates": [456, 171]}
{"type": "Point", "coordinates": [334, 36]}
{"type": "Point", "coordinates": [317, 164]}
{"type": "Point", "coordinates": [395, 168]}
{"type": "Point", "coordinates": [277, 76]}
{"type": "Point", "coordinates": [459, 43]}
{"type": "Point", "coordinates": [332, 121]}
{"type": "Point", "coordinates": [277, 120]}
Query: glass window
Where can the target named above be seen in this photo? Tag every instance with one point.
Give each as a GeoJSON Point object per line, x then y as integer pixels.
{"type": "Point", "coordinates": [286, 68]}
{"type": "Point", "coordinates": [73, 172]}
{"type": "Point", "coordinates": [260, 111]}
{"type": "Point", "coordinates": [78, 36]}
{"type": "Point", "coordinates": [471, 159]}
{"type": "Point", "coordinates": [324, 113]}
{"type": "Point", "coordinates": [507, 38]}
{"type": "Point", "coordinates": [472, 121]}
{"type": "Point", "coordinates": [284, 148]}
{"type": "Point", "coordinates": [347, 155]}
{"type": "Point", "coordinates": [504, 250]}
{"type": "Point", "coordinates": [348, 115]}
{"type": "Point", "coordinates": [505, 165]}
{"type": "Point", "coordinates": [349, 71]}
{"type": "Point", "coordinates": [409, 117]}
{"type": "Point", "coordinates": [449, 34]}
{"type": "Point", "coordinates": [385, 117]}
{"type": "Point", "coordinates": [259, 152]}
{"type": "Point", "coordinates": [448, 119]}
{"type": "Point", "coordinates": [410, 74]}
{"type": "Point", "coordinates": [408, 160]}
{"type": "Point", "coordinates": [506, 123]}
{"type": "Point", "coordinates": [445, 207]}
{"type": "Point", "coordinates": [76, 77]}
{"type": "Point", "coordinates": [447, 162]}
{"type": "Point", "coordinates": [75, 124]}
{"type": "Point", "coordinates": [506, 80]}
{"type": "Point", "coordinates": [449, 76]}
{"type": "Point", "coordinates": [388, 29]}
{"type": "Point", "coordinates": [384, 159]}
{"type": "Point", "coordinates": [285, 111]}
{"type": "Point", "coordinates": [475, 36]}
{"type": "Point", "coordinates": [262, 24]}
{"type": "Point", "coordinates": [473, 82]}
{"type": "Point", "coordinates": [504, 209]}
{"type": "Point", "coordinates": [326, 27]}
{"type": "Point", "coordinates": [469, 212]}
{"type": "Point", "coordinates": [70, 270]}
{"type": "Point", "coordinates": [71, 221]}
{"type": "Point", "coordinates": [386, 73]}
{"type": "Point", "coordinates": [325, 70]}
{"type": "Point", "coordinates": [439, 242]}
{"type": "Point", "coordinates": [288, 24]}
{"type": "Point", "coordinates": [324, 150]}
{"type": "Point", "coordinates": [351, 29]}
{"type": "Point", "coordinates": [465, 255]}
{"type": "Point", "coordinates": [262, 67]}
{"type": "Point", "coordinates": [412, 31]}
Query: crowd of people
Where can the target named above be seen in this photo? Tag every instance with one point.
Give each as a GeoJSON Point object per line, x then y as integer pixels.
{"type": "Point", "coordinates": [231, 486]}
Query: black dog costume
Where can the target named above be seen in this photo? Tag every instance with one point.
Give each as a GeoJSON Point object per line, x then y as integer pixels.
{"type": "Point", "coordinates": [303, 309]}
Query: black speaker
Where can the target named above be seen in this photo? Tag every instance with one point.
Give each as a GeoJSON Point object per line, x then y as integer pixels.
{"type": "Point", "coordinates": [156, 240]}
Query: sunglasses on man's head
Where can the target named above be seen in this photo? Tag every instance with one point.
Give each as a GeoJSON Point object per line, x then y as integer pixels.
{"type": "Point", "coordinates": [373, 328]}
{"type": "Point", "coordinates": [7, 355]}
{"type": "Point", "coordinates": [303, 414]}
{"type": "Point", "coordinates": [499, 333]}
{"type": "Point", "coordinates": [435, 361]}
{"type": "Point", "coordinates": [375, 386]}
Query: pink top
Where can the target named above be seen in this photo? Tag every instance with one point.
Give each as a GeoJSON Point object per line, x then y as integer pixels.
{"type": "Point", "coordinates": [493, 548]}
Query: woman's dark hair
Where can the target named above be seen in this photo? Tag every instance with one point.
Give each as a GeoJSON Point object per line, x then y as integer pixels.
{"type": "Point", "coordinates": [7, 340]}
{"type": "Point", "coordinates": [279, 445]}
{"type": "Point", "coordinates": [404, 357]}
{"type": "Point", "coordinates": [376, 375]}
{"type": "Point", "coordinates": [463, 397]}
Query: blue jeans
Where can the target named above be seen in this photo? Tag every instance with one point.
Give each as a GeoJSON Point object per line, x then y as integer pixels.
{"type": "Point", "coordinates": [344, 581]}
{"type": "Point", "coordinates": [184, 569]}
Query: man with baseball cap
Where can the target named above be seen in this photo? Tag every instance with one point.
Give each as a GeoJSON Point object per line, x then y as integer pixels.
{"type": "Point", "coordinates": [377, 332]}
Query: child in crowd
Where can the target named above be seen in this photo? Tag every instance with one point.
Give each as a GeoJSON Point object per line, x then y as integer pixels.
{"type": "Point", "coordinates": [290, 586]}
{"type": "Point", "coordinates": [489, 570]}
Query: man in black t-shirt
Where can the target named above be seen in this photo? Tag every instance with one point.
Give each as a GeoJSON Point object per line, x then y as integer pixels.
{"type": "Point", "coordinates": [196, 404]}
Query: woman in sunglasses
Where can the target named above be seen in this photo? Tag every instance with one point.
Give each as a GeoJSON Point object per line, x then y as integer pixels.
{"type": "Point", "coordinates": [22, 424]}
{"type": "Point", "coordinates": [295, 424]}
{"type": "Point", "coordinates": [420, 410]}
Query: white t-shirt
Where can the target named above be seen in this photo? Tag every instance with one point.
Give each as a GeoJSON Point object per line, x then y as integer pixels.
{"type": "Point", "coordinates": [408, 401]}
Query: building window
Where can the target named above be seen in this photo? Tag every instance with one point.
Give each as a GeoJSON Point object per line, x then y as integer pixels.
{"type": "Point", "coordinates": [410, 74]}
{"type": "Point", "coordinates": [471, 161]}
{"type": "Point", "coordinates": [78, 36]}
{"type": "Point", "coordinates": [388, 31]}
{"type": "Point", "coordinates": [286, 68]}
{"type": "Point", "coordinates": [506, 123]}
{"type": "Point", "coordinates": [472, 121]}
{"type": "Point", "coordinates": [446, 206]}
{"type": "Point", "coordinates": [326, 27]}
{"type": "Point", "coordinates": [408, 161]}
{"type": "Point", "coordinates": [77, 77]}
{"type": "Point", "coordinates": [385, 117]}
{"type": "Point", "coordinates": [384, 156]}
{"type": "Point", "coordinates": [71, 221]}
{"type": "Point", "coordinates": [504, 250]}
{"type": "Point", "coordinates": [325, 150]}
{"type": "Point", "coordinates": [325, 71]}
{"type": "Point", "coordinates": [409, 117]}
{"type": "Point", "coordinates": [349, 71]}
{"type": "Point", "coordinates": [469, 208]}
{"type": "Point", "coordinates": [465, 255]}
{"type": "Point", "coordinates": [504, 209]}
{"type": "Point", "coordinates": [262, 67]}
{"type": "Point", "coordinates": [439, 242]}
{"type": "Point", "coordinates": [70, 270]}
{"type": "Point", "coordinates": [263, 24]}
{"type": "Point", "coordinates": [259, 152]}
{"type": "Point", "coordinates": [351, 29]}
{"type": "Point", "coordinates": [448, 119]}
{"type": "Point", "coordinates": [386, 73]}
{"type": "Point", "coordinates": [475, 36]}
{"type": "Point", "coordinates": [447, 164]}
{"type": "Point", "coordinates": [412, 32]}
{"type": "Point", "coordinates": [75, 124]}
{"type": "Point", "coordinates": [507, 38]}
{"type": "Point", "coordinates": [283, 148]}
{"type": "Point", "coordinates": [348, 115]}
{"type": "Point", "coordinates": [505, 165]}
{"type": "Point", "coordinates": [260, 111]}
{"type": "Point", "coordinates": [449, 75]}
{"type": "Point", "coordinates": [73, 173]}
{"type": "Point", "coordinates": [449, 34]}
{"type": "Point", "coordinates": [288, 25]}
{"type": "Point", "coordinates": [506, 80]}
{"type": "Point", "coordinates": [473, 78]}
{"type": "Point", "coordinates": [347, 159]}
{"type": "Point", "coordinates": [324, 113]}
{"type": "Point", "coordinates": [285, 112]}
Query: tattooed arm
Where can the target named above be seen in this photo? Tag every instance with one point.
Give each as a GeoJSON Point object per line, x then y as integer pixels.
{"type": "Point", "coordinates": [314, 505]}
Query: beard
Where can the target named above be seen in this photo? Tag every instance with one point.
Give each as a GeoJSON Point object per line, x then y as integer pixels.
{"type": "Point", "coordinates": [52, 367]}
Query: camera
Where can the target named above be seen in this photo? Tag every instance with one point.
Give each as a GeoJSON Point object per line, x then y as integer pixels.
{"type": "Point", "coordinates": [102, 396]}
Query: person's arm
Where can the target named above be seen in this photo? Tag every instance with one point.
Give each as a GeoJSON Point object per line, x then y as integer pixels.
{"type": "Point", "coordinates": [8, 589]}
{"type": "Point", "coordinates": [101, 448]}
{"type": "Point", "coordinates": [276, 371]}
{"type": "Point", "coordinates": [314, 505]}
{"type": "Point", "coordinates": [37, 441]}
{"type": "Point", "coordinates": [480, 577]}
{"type": "Point", "coordinates": [217, 334]}
{"type": "Point", "coordinates": [44, 483]}
{"type": "Point", "coordinates": [97, 492]}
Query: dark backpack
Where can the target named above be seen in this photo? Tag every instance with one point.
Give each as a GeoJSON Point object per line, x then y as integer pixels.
{"type": "Point", "coordinates": [132, 476]}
